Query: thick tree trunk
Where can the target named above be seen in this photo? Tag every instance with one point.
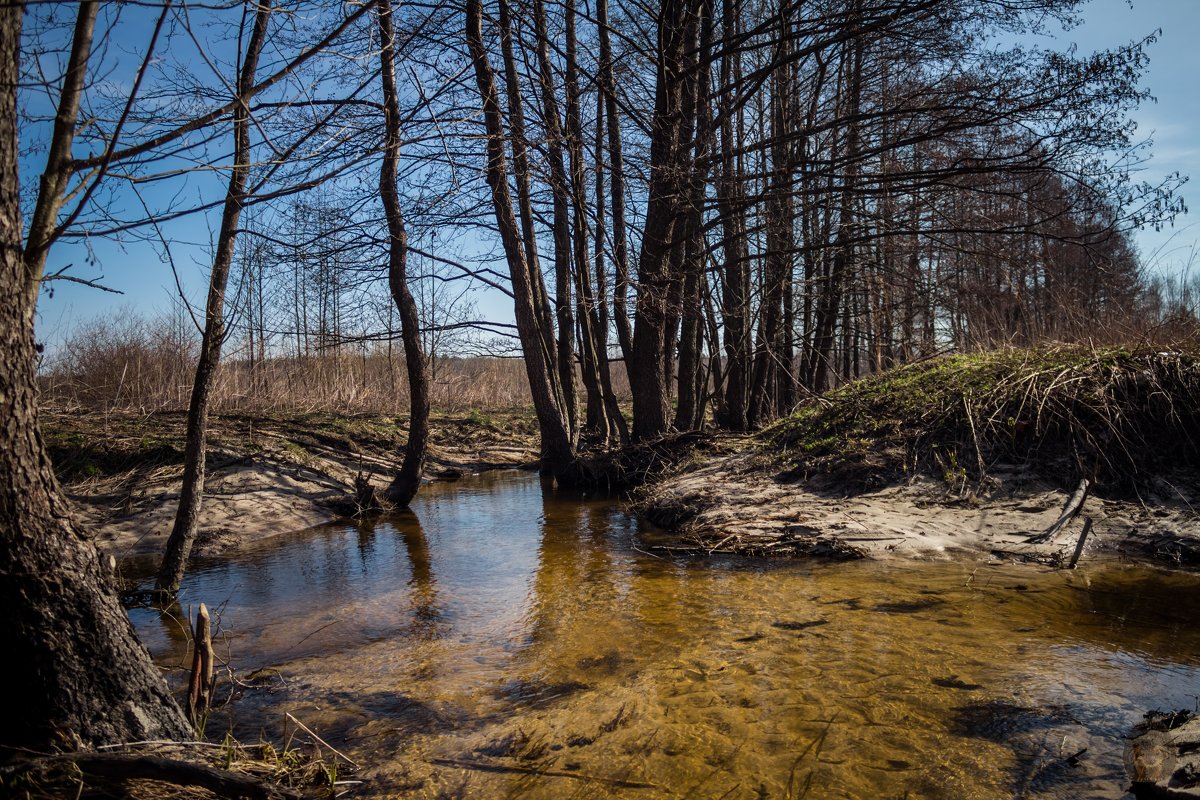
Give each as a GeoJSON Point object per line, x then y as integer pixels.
{"type": "Point", "coordinates": [79, 675]}
{"type": "Point", "coordinates": [666, 208]}
{"type": "Point", "coordinates": [408, 480]}
{"type": "Point", "coordinates": [183, 534]}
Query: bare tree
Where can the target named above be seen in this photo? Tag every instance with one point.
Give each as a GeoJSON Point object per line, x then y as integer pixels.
{"type": "Point", "coordinates": [183, 534]}
{"type": "Point", "coordinates": [557, 444]}
{"type": "Point", "coordinates": [404, 486]}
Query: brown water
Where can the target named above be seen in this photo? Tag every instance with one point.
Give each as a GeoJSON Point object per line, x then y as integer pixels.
{"type": "Point", "coordinates": [506, 640]}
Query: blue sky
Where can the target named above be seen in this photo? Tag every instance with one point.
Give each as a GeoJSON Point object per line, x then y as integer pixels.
{"type": "Point", "coordinates": [137, 270]}
{"type": "Point", "coordinates": [1174, 120]}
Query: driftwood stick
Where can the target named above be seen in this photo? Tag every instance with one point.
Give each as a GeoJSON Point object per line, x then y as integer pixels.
{"type": "Point", "coordinates": [310, 732]}
{"type": "Point", "coordinates": [179, 773]}
{"type": "Point", "coordinates": [486, 766]}
{"type": "Point", "coordinates": [1074, 504]}
{"type": "Point", "coordinates": [200, 683]}
{"type": "Point", "coordinates": [723, 541]}
{"type": "Point", "coordinates": [204, 645]}
{"type": "Point", "coordinates": [1087, 528]}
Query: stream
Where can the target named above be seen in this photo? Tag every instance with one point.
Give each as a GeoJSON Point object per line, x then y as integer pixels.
{"type": "Point", "coordinates": [504, 639]}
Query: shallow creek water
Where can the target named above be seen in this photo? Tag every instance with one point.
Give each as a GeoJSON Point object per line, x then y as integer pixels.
{"type": "Point", "coordinates": [507, 640]}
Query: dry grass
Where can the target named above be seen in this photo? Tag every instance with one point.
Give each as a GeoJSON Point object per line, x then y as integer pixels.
{"type": "Point", "coordinates": [140, 381]}
{"type": "Point", "coordinates": [1121, 416]}
{"type": "Point", "coordinates": [133, 364]}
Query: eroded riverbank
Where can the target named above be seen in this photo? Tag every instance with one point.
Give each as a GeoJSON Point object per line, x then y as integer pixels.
{"type": "Point", "coordinates": [506, 639]}
{"type": "Point", "coordinates": [735, 505]}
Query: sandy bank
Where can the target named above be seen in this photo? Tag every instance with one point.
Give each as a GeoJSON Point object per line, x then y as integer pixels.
{"type": "Point", "coordinates": [734, 505]}
{"type": "Point", "coordinates": [267, 474]}
{"type": "Point", "coordinates": [974, 452]}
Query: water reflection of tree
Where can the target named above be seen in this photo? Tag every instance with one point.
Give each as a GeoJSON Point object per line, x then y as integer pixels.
{"type": "Point", "coordinates": [426, 610]}
{"type": "Point", "coordinates": [175, 625]}
{"type": "Point", "coordinates": [594, 600]}
{"type": "Point", "coordinates": [558, 580]}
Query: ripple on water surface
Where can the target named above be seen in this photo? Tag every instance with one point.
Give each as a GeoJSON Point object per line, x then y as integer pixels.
{"type": "Point", "coordinates": [507, 640]}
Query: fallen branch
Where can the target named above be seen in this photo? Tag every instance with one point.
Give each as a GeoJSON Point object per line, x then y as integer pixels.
{"type": "Point", "coordinates": [1074, 504]}
{"type": "Point", "coordinates": [717, 546]}
{"type": "Point", "coordinates": [1087, 528]}
{"type": "Point", "coordinates": [333, 749]}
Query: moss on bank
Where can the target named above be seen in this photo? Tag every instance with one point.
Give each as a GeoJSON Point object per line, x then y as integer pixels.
{"type": "Point", "coordinates": [1121, 416]}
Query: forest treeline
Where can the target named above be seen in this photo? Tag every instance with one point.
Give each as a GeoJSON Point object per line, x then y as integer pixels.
{"type": "Point", "coordinates": [729, 206]}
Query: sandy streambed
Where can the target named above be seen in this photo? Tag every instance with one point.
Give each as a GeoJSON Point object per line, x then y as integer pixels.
{"type": "Point", "coordinates": [506, 639]}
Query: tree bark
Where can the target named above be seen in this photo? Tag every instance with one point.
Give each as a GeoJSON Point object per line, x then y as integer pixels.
{"type": "Point", "coordinates": [187, 517]}
{"type": "Point", "coordinates": [80, 675]}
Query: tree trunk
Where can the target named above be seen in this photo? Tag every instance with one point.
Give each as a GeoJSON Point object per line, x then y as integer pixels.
{"type": "Point", "coordinates": [558, 353]}
{"type": "Point", "coordinates": [665, 210]}
{"type": "Point", "coordinates": [79, 675]}
{"type": "Point", "coordinates": [617, 171]}
{"type": "Point", "coordinates": [834, 289]}
{"type": "Point", "coordinates": [690, 398]}
{"type": "Point", "coordinates": [607, 423]}
{"type": "Point", "coordinates": [618, 431]}
{"type": "Point", "coordinates": [735, 284]}
{"type": "Point", "coordinates": [560, 191]}
{"type": "Point", "coordinates": [558, 451]}
{"type": "Point", "coordinates": [406, 483]}
{"type": "Point", "coordinates": [769, 356]}
{"type": "Point", "coordinates": [689, 409]}
{"type": "Point", "coordinates": [183, 534]}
